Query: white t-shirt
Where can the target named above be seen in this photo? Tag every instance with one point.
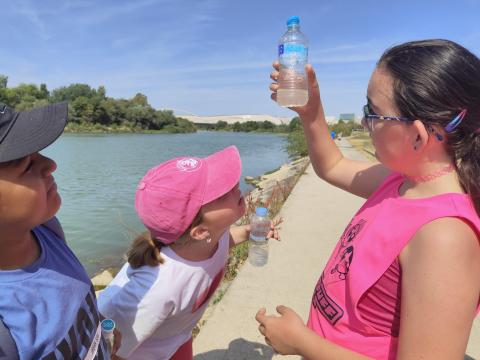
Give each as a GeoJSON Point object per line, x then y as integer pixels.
{"type": "Point", "coordinates": [156, 308]}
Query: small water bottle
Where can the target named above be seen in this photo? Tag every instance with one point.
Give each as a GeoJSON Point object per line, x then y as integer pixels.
{"type": "Point", "coordinates": [292, 56]}
{"type": "Point", "coordinates": [108, 325]}
{"type": "Point", "coordinates": [259, 228]}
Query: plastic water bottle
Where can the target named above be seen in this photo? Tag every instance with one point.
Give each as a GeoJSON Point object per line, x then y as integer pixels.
{"type": "Point", "coordinates": [259, 228]}
{"type": "Point", "coordinates": [292, 56]}
{"type": "Point", "coordinates": [108, 325]}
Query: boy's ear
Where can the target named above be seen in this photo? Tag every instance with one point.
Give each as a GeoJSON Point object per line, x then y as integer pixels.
{"type": "Point", "coordinates": [419, 135]}
{"type": "Point", "coordinates": [200, 233]}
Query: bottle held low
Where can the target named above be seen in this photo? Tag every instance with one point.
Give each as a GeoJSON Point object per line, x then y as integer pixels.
{"type": "Point", "coordinates": [259, 228]}
{"type": "Point", "coordinates": [108, 325]}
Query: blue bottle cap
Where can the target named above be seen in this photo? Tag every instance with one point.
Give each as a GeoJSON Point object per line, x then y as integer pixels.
{"type": "Point", "coordinates": [108, 325]}
{"type": "Point", "coordinates": [293, 20]}
{"type": "Point", "coordinates": [261, 211]}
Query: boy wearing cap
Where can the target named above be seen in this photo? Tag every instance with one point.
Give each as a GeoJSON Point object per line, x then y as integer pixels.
{"type": "Point", "coordinates": [188, 205]}
{"type": "Point", "coordinates": [47, 304]}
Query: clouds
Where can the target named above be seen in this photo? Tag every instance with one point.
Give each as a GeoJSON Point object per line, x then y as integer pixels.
{"type": "Point", "coordinates": [211, 56]}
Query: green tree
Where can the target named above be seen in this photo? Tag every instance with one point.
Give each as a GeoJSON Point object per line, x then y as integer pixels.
{"type": "Point", "coordinates": [44, 93]}
{"type": "Point", "coordinates": [295, 124]}
{"type": "Point", "coordinates": [102, 92]}
{"type": "Point", "coordinates": [267, 125]}
{"type": "Point", "coordinates": [237, 127]}
{"type": "Point", "coordinates": [139, 99]}
{"type": "Point", "coordinates": [296, 144]}
{"type": "Point", "coordinates": [221, 125]}
{"type": "Point", "coordinates": [72, 92]}
{"type": "Point", "coordinates": [3, 81]}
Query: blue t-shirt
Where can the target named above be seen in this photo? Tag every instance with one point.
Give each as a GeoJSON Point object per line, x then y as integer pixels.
{"type": "Point", "coordinates": [50, 306]}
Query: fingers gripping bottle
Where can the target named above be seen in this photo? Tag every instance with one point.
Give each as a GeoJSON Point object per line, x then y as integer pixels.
{"type": "Point", "coordinates": [292, 56]}
{"type": "Point", "coordinates": [259, 228]}
{"type": "Point", "coordinates": [108, 325]}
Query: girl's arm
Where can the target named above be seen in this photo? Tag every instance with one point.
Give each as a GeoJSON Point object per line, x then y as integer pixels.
{"type": "Point", "coordinates": [239, 234]}
{"type": "Point", "coordinates": [440, 290]}
{"type": "Point", "coordinates": [288, 335]}
{"type": "Point", "coordinates": [360, 178]}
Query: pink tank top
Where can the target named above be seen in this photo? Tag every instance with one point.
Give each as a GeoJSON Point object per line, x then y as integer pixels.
{"type": "Point", "coordinates": [356, 300]}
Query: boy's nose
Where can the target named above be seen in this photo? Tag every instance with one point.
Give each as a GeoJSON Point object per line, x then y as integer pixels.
{"type": "Point", "coordinates": [48, 165]}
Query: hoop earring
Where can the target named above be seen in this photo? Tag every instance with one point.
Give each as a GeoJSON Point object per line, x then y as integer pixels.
{"type": "Point", "coordinates": [208, 240]}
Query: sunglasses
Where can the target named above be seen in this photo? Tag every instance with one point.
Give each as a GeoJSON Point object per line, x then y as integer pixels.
{"type": "Point", "coordinates": [369, 117]}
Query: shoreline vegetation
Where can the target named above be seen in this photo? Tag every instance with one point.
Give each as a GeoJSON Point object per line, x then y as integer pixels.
{"type": "Point", "coordinates": [90, 110]}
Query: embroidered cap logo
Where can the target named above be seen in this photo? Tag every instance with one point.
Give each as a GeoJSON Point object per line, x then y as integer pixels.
{"type": "Point", "coordinates": [189, 164]}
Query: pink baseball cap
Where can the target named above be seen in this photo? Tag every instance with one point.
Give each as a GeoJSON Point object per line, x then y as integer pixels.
{"type": "Point", "coordinates": [171, 194]}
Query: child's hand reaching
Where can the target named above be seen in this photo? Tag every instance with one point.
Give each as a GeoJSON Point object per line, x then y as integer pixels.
{"type": "Point", "coordinates": [239, 234]}
{"type": "Point", "coordinates": [273, 233]}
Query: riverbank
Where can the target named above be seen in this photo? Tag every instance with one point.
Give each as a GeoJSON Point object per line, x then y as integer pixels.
{"type": "Point", "coordinates": [74, 128]}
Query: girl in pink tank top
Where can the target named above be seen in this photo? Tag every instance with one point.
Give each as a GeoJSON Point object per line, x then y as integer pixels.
{"type": "Point", "coordinates": [403, 281]}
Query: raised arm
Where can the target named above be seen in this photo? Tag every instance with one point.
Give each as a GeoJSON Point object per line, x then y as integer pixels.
{"type": "Point", "coordinates": [357, 177]}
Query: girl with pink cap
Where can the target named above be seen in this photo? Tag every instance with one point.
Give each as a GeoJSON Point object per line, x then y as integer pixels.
{"type": "Point", "coordinates": [188, 205]}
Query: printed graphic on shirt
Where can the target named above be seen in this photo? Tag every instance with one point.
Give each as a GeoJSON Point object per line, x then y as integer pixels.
{"type": "Point", "coordinates": [323, 303]}
{"type": "Point", "coordinates": [205, 296]}
{"type": "Point", "coordinates": [77, 344]}
{"type": "Point", "coordinates": [336, 270]}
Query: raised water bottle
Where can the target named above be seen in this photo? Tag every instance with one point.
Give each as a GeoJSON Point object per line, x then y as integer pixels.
{"type": "Point", "coordinates": [292, 56]}
{"type": "Point", "coordinates": [108, 325]}
{"type": "Point", "coordinates": [259, 228]}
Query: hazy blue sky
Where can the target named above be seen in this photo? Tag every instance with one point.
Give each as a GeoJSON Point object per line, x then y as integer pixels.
{"type": "Point", "coordinates": [211, 57]}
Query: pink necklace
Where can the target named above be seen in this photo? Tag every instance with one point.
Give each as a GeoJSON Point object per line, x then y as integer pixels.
{"type": "Point", "coordinates": [436, 174]}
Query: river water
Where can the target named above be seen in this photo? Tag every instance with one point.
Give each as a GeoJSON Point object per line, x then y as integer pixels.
{"type": "Point", "coordinates": [97, 176]}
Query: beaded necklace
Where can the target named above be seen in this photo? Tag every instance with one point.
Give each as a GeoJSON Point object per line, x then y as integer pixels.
{"type": "Point", "coordinates": [432, 176]}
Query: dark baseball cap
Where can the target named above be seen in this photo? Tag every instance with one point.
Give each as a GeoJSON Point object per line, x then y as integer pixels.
{"type": "Point", "coordinates": [26, 132]}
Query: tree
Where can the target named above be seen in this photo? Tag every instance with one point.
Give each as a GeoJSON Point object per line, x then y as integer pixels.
{"type": "Point", "coordinates": [72, 92]}
{"type": "Point", "coordinates": [220, 125]}
{"type": "Point", "coordinates": [44, 93]}
{"type": "Point", "coordinates": [296, 143]}
{"type": "Point", "coordinates": [3, 81]}
{"type": "Point", "coordinates": [237, 126]}
{"type": "Point", "coordinates": [267, 125]}
{"type": "Point", "coordinates": [102, 92]}
{"type": "Point", "coordinates": [295, 123]}
{"type": "Point", "coordinates": [139, 99]}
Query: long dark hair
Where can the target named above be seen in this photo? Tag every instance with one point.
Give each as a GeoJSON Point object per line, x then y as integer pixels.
{"type": "Point", "coordinates": [433, 80]}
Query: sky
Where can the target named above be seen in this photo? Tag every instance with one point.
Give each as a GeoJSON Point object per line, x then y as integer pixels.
{"type": "Point", "coordinates": [213, 57]}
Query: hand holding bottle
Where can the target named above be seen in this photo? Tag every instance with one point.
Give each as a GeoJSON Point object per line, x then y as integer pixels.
{"type": "Point", "coordinates": [313, 107]}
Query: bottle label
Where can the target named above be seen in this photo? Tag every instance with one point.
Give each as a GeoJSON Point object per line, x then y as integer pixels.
{"type": "Point", "coordinates": [292, 53]}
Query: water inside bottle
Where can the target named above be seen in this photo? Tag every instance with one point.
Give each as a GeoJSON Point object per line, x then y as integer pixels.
{"type": "Point", "coordinates": [258, 253]}
{"type": "Point", "coordinates": [292, 88]}
{"type": "Point", "coordinates": [292, 97]}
